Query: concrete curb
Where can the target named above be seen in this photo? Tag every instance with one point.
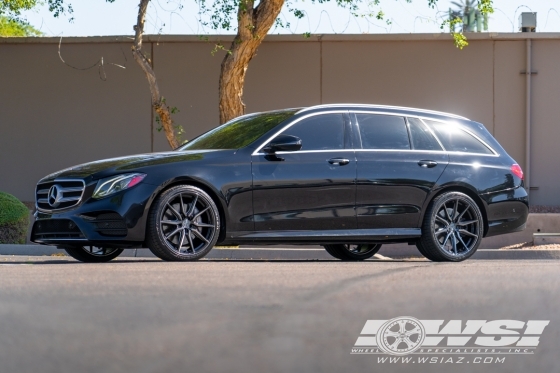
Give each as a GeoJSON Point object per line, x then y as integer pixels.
{"type": "Point", "coordinates": [295, 253]}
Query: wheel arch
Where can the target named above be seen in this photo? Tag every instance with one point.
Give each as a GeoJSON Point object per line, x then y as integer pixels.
{"type": "Point", "coordinates": [212, 192]}
{"type": "Point", "coordinates": [462, 189]}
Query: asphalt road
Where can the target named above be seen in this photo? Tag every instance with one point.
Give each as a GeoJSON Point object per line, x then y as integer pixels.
{"type": "Point", "coordinates": [141, 315]}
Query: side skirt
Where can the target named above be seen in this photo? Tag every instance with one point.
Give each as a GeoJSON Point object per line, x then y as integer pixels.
{"type": "Point", "coordinates": [327, 236]}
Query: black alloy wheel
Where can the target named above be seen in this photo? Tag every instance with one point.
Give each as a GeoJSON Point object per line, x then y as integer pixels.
{"type": "Point", "coordinates": [452, 229]}
{"type": "Point", "coordinates": [352, 252]}
{"type": "Point", "coordinates": [93, 254]}
{"type": "Point", "coordinates": [183, 225]}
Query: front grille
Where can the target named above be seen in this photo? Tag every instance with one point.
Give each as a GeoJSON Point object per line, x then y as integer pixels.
{"type": "Point", "coordinates": [59, 194]}
{"type": "Point", "coordinates": [55, 228]}
{"type": "Point", "coordinates": [110, 224]}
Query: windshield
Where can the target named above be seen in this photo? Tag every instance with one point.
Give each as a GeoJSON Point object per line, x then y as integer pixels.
{"type": "Point", "coordinates": [239, 132]}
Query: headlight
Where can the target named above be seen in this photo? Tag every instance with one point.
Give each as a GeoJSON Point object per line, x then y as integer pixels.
{"type": "Point", "coordinates": [114, 184]}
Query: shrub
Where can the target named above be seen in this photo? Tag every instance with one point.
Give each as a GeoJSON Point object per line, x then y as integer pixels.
{"type": "Point", "coordinates": [14, 220]}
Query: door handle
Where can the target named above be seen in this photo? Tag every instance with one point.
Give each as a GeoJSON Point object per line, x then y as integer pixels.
{"type": "Point", "coordinates": [427, 164]}
{"type": "Point", "coordinates": [339, 161]}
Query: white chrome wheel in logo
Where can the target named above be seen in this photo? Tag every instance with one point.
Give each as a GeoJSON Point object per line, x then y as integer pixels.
{"type": "Point", "coordinates": [55, 196]}
{"type": "Point", "coordinates": [401, 336]}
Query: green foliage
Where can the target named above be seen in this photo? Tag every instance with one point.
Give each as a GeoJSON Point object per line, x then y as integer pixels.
{"type": "Point", "coordinates": [468, 18]}
{"type": "Point", "coordinates": [14, 219]}
{"type": "Point", "coordinates": [179, 131]}
{"type": "Point", "coordinates": [469, 12]}
{"type": "Point", "coordinates": [221, 14]}
{"type": "Point", "coordinates": [460, 40]}
{"type": "Point", "coordinates": [13, 8]}
{"type": "Point", "coordinates": [458, 37]}
{"type": "Point", "coordinates": [11, 209]}
{"type": "Point", "coordinates": [486, 6]}
{"type": "Point", "coordinates": [13, 27]}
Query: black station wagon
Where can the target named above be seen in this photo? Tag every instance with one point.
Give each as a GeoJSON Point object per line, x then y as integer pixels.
{"type": "Point", "coordinates": [348, 177]}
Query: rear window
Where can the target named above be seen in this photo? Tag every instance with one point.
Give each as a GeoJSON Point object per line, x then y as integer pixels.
{"type": "Point", "coordinates": [383, 131]}
{"type": "Point", "coordinates": [454, 139]}
{"type": "Point", "coordinates": [422, 138]}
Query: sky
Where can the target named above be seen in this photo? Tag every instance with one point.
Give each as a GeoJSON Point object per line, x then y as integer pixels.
{"type": "Point", "coordinates": [96, 17]}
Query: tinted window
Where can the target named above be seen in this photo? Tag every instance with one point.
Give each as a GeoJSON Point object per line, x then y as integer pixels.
{"type": "Point", "coordinates": [421, 137]}
{"type": "Point", "coordinates": [239, 132]}
{"type": "Point", "coordinates": [454, 139]}
{"type": "Point", "coordinates": [383, 132]}
{"type": "Point", "coordinates": [319, 132]}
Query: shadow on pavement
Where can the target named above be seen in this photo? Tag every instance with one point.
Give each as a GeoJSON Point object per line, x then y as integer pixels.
{"type": "Point", "coordinates": [47, 261]}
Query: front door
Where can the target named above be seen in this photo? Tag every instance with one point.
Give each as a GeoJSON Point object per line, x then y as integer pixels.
{"type": "Point", "coordinates": [310, 189]}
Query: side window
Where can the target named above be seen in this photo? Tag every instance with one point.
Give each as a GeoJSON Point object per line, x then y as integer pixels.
{"type": "Point", "coordinates": [456, 140]}
{"type": "Point", "coordinates": [319, 132]}
{"type": "Point", "coordinates": [383, 132]}
{"type": "Point", "coordinates": [421, 137]}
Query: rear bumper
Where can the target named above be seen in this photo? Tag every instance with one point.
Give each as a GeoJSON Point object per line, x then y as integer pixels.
{"type": "Point", "coordinates": [507, 211]}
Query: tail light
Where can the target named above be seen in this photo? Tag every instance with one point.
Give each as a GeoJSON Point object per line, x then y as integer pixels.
{"type": "Point", "coordinates": [517, 171]}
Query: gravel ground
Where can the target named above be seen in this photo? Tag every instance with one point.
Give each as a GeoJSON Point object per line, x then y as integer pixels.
{"type": "Point", "coordinates": [530, 246]}
{"type": "Point", "coordinates": [539, 209]}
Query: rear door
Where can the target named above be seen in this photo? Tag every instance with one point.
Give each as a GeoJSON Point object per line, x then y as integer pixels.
{"type": "Point", "coordinates": [398, 164]}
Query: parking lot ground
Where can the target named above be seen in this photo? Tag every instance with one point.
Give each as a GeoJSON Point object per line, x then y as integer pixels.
{"type": "Point", "coordinates": [280, 252]}
{"type": "Point", "coordinates": [223, 315]}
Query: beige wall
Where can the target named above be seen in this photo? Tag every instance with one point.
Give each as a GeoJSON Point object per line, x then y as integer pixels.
{"type": "Point", "coordinates": [53, 116]}
{"type": "Point", "coordinates": [545, 150]}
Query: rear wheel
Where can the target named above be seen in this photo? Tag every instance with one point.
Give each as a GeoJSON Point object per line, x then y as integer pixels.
{"type": "Point", "coordinates": [425, 253]}
{"type": "Point", "coordinates": [352, 252]}
{"type": "Point", "coordinates": [93, 254]}
{"type": "Point", "coordinates": [183, 225]}
{"type": "Point", "coordinates": [452, 229]}
{"type": "Point", "coordinates": [332, 251]}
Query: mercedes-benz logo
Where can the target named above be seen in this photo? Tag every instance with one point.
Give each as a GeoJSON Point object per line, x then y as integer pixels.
{"type": "Point", "coordinates": [401, 336]}
{"type": "Point", "coordinates": [55, 195]}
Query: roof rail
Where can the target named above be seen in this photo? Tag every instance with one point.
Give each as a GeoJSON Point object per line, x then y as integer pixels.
{"type": "Point", "coordinates": [369, 106]}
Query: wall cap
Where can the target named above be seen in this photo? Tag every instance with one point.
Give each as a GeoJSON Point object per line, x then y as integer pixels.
{"type": "Point", "coordinates": [487, 36]}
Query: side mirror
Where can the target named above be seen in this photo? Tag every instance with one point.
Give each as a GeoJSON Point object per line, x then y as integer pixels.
{"type": "Point", "coordinates": [283, 143]}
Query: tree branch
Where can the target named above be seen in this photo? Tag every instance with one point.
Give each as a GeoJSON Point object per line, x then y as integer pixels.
{"type": "Point", "coordinates": [158, 103]}
{"type": "Point", "coordinates": [254, 24]}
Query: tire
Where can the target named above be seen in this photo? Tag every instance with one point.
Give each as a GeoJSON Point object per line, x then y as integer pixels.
{"type": "Point", "coordinates": [331, 249]}
{"type": "Point", "coordinates": [93, 254]}
{"type": "Point", "coordinates": [183, 225]}
{"type": "Point", "coordinates": [352, 252]}
{"type": "Point", "coordinates": [426, 254]}
{"type": "Point", "coordinates": [452, 228]}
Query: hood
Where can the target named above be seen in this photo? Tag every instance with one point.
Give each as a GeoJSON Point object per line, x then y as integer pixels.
{"type": "Point", "coordinates": [108, 167]}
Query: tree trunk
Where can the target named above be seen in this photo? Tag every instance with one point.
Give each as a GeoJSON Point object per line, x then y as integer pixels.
{"type": "Point", "coordinates": [254, 24]}
{"type": "Point", "coordinates": [158, 103]}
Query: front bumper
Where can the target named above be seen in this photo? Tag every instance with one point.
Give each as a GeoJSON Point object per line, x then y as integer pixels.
{"type": "Point", "coordinates": [118, 220]}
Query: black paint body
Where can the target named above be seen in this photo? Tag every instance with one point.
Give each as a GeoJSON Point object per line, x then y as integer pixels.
{"type": "Point", "coordinates": [301, 197]}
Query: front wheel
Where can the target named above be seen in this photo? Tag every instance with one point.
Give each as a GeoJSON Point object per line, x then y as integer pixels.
{"type": "Point", "coordinates": [93, 254]}
{"type": "Point", "coordinates": [183, 225]}
{"type": "Point", "coordinates": [353, 252]}
{"type": "Point", "coordinates": [452, 229]}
